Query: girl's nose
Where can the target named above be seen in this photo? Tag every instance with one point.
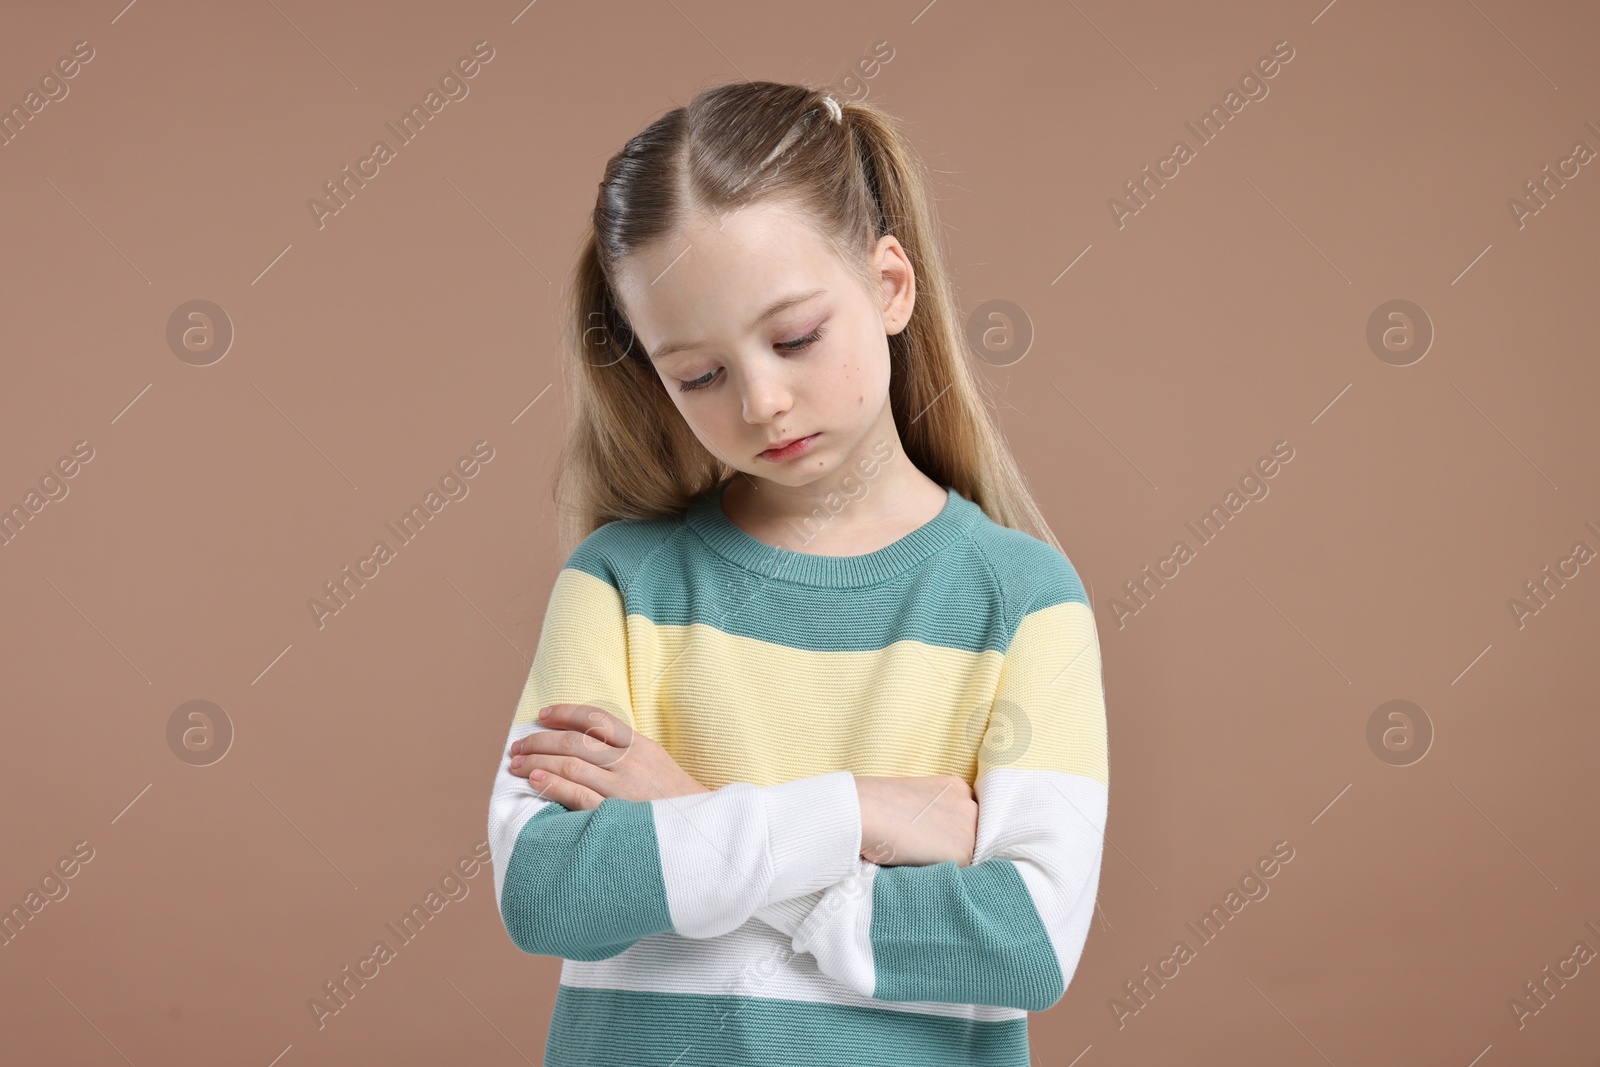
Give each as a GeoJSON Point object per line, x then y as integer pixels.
{"type": "Point", "coordinates": [765, 394]}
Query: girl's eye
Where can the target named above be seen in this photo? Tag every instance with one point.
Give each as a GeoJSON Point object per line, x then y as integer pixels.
{"type": "Point", "coordinates": [800, 344]}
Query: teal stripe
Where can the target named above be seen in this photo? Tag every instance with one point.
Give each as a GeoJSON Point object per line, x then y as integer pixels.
{"type": "Point", "coordinates": [950, 602]}
{"type": "Point", "coordinates": [961, 935]}
{"type": "Point", "coordinates": [623, 1028]}
{"type": "Point", "coordinates": [585, 885]}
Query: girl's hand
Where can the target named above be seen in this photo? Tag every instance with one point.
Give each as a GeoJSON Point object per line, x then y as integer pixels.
{"type": "Point", "coordinates": [589, 754]}
{"type": "Point", "coordinates": [914, 822]}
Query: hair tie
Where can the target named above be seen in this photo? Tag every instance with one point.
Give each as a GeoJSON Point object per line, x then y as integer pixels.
{"type": "Point", "coordinates": [833, 108]}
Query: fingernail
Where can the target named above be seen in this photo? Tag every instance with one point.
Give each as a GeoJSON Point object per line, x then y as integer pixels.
{"type": "Point", "coordinates": [538, 776]}
{"type": "Point", "coordinates": [544, 713]}
{"type": "Point", "coordinates": [516, 761]}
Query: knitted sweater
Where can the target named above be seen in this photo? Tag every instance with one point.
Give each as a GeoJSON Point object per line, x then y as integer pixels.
{"type": "Point", "coordinates": [742, 926]}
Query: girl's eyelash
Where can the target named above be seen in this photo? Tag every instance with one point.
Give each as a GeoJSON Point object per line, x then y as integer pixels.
{"type": "Point", "coordinates": [798, 345]}
{"type": "Point", "coordinates": [698, 383]}
{"type": "Point", "coordinates": [802, 343]}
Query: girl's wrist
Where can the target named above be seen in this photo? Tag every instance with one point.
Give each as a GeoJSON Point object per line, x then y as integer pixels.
{"type": "Point", "coordinates": [869, 825]}
{"type": "Point", "coordinates": [861, 801]}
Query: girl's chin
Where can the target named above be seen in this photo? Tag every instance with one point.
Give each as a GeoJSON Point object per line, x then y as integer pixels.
{"type": "Point", "coordinates": [789, 476]}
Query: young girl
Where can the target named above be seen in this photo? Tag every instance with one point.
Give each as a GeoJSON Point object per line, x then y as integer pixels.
{"type": "Point", "coordinates": [811, 764]}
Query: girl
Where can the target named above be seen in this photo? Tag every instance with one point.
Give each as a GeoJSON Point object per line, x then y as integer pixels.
{"type": "Point", "coordinates": [810, 767]}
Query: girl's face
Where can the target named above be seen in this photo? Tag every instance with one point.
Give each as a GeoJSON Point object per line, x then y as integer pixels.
{"type": "Point", "coordinates": [763, 337]}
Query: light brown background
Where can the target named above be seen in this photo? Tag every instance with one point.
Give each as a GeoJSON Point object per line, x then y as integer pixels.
{"type": "Point", "coordinates": [371, 353]}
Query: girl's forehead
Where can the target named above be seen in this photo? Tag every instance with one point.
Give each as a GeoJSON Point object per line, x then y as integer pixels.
{"type": "Point", "coordinates": [752, 229]}
{"type": "Point", "coordinates": [740, 261]}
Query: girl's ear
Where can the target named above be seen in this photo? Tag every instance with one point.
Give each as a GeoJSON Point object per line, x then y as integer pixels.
{"type": "Point", "coordinates": [897, 283]}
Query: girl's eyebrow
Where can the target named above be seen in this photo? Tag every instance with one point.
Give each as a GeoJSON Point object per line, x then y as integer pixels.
{"type": "Point", "coordinates": [782, 304]}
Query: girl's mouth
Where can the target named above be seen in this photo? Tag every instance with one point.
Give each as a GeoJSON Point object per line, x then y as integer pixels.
{"type": "Point", "coordinates": [790, 451]}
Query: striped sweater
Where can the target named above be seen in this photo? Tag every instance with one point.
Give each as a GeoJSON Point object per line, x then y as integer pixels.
{"type": "Point", "coordinates": [742, 926]}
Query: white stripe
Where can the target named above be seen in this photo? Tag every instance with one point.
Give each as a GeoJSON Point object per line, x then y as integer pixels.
{"type": "Point", "coordinates": [837, 931]}
{"type": "Point", "coordinates": [726, 853]}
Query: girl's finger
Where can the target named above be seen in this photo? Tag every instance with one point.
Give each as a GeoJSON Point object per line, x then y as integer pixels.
{"type": "Point", "coordinates": [584, 746]}
{"type": "Point", "coordinates": [597, 722]}
{"type": "Point", "coordinates": [613, 730]}
{"type": "Point", "coordinates": [578, 772]}
{"type": "Point", "coordinates": [569, 795]}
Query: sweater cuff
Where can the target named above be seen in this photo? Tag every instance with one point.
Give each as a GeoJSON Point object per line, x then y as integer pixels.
{"type": "Point", "coordinates": [813, 832]}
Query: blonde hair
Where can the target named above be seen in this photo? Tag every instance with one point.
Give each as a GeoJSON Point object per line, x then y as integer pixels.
{"type": "Point", "coordinates": [628, 453]}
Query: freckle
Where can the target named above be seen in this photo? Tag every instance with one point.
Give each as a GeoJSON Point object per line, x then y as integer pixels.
{"type": "Point", "coordinates": [862, 399]}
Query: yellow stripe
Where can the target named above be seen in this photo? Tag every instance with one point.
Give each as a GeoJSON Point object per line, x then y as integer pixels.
{"type": "Point", "coordinates": [1050, 697]}
{"type": "Point", "coordinates": [582, 648]}
{"type": "Point", "coordinates": [736, 709]}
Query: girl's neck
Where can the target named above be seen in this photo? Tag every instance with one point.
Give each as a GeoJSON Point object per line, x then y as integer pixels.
{"type": "Point", "coordinates": [876, 513]}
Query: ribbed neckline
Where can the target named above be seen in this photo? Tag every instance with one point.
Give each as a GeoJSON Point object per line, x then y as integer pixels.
{"type": "Point", "coordinates": [706, 517]}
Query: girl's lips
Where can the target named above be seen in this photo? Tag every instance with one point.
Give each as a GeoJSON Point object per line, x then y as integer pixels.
{"type": "Point", "coordinates": [778, 455]}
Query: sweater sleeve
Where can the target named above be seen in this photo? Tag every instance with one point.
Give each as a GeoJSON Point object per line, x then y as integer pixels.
{"type": "Point", "coordinates": [586, 885]}
{"type": "Point", "coordinates": [1009, 929]}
